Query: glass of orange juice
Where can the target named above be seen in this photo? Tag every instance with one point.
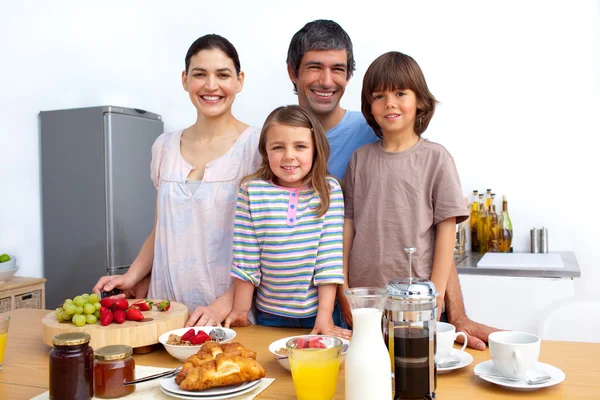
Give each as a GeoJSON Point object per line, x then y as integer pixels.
{"type": "Point", "coordinates": [315, 363]}
{"type": "Point", "coordinates": [3, 336]}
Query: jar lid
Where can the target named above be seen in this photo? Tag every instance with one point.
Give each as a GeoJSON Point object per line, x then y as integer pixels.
{"type": "Point", "coordinates": [114, 352]}
{"type": "Point", "coordinates": [412, 289]}
{"type": "Point", "coordinates": [70, 339]}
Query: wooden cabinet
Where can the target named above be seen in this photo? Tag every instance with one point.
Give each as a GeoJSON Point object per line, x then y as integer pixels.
{"type": "Point", "coordinates": [22, 292]}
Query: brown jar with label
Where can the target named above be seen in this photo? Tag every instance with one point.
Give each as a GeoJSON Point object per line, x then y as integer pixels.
{"type": "Point", "coordinates": [113, 365]}
{"type": "Point", "coordinates": [71, 367]}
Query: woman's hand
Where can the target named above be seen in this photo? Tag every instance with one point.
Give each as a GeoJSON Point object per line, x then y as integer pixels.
{"type": "Point", "coordinates": [107, 283]}
{"type": "Point", "coordinates": [204, 316]}
{"type": "Point", "coordinates": [236, 318]}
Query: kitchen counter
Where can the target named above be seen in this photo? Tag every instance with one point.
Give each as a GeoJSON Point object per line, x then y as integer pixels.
{"type": "Point", "coordinates": [25, 372]}
{"type": "Point", "coordinates": [468, 266]}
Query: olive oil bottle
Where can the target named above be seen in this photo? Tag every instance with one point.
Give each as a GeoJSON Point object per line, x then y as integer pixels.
{"type": "Point", "coordinates": [493, 233]}
{"type": "Point", "coordinates": [483, 223]}
{"type": "Point", "coordinates": [505, 228]}
{"type": "Point", "coordinates": [474, 219]}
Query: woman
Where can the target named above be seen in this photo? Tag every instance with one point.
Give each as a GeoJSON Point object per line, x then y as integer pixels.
{"type": "Point", "coordinates": [196, 173]}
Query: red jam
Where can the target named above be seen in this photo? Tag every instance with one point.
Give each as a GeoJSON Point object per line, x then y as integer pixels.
{"type": "Point", "coordinates": [71, 367]}
{"type": "Point", "coordinates": [113, 365]}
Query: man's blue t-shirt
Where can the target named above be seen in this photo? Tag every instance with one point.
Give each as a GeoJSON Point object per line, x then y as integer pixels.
{"type": "Point", "coordinates": [351, 133]}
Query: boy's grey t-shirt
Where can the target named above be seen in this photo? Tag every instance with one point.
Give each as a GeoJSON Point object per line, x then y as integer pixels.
{"type": "Point", "coordinates": [351, 133]}
{"type": "Point", "coordinates": [396, 200]}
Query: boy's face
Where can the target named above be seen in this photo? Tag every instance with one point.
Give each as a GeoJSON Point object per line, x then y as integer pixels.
{"type": "Point", "coordinates": [321, 81]}
{"type": "Point", "coordinates": [395, 111]}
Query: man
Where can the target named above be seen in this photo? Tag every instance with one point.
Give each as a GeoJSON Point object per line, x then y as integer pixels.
{"type": "Point", "coordinates": [320, 63]}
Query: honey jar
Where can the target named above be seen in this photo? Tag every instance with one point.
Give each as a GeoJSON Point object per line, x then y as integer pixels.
{"type": "Point", "coordinates": [113, 365]}
{"type": "Point", "coordinates": [71, 367]}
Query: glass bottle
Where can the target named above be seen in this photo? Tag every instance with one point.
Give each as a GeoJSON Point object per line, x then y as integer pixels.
{"type": "Point", "coordinates": [505, 228]}
{"type": "Point", "coordinates": [368, 366]}
{"type": "Point", "coordinates": [474, 219]}
{"type": "Point", "coordinates": [493, 226]}
{"type": "Point", "coordinates": [113, 365]}
{"type": "Point", "coordinates": [488, 194]}
{"type": "Point", "coordinates": [482, 226]}
{"type": "Point", "coordinates": [71, 367]}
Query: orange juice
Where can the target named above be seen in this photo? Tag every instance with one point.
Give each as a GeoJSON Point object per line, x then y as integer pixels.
{"type": "Point", "coordinates": [3, 336]}
{"type": "Point", "coordinates": [315, 373]}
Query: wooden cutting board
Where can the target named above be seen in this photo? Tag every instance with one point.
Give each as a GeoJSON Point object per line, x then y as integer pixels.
{"type": "Point", "coordinates": [131, 333]}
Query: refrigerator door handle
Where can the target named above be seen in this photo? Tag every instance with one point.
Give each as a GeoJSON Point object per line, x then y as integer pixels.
{"type": "Point", "coordinates": [117, 269]}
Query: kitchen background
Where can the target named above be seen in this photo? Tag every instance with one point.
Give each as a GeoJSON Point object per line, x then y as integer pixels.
{"type": "Point", "coordinates": [518, 82]}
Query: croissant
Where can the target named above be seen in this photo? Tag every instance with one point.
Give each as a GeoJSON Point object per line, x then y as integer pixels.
{"type": "Point", "coordinates": [222, 371]}
{"type": "Point", "coordinates": [209, 352]}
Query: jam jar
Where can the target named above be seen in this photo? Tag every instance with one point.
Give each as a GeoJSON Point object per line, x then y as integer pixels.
{"type": "Point", "coordinates": [113, 365]}
{"type": "Point", "coordinates": [71, 367]}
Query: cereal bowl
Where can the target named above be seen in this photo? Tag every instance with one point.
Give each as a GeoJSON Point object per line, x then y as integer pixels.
{"type": "Point", "coordinates": [182, 352]}
{"type": "Point", "coordinates": [284, 361]}
{"type": "Point", "coordinates": [9, 265]}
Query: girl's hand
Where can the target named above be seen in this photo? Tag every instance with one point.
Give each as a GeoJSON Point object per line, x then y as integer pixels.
{"type": "Point", "coordinates": [324, 326]}
{"type": "Point", "coordinates": [236, 318]}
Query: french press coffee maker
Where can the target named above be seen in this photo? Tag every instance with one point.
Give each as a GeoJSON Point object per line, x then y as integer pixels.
{"type": "Point", "coordinates": [409, 325]}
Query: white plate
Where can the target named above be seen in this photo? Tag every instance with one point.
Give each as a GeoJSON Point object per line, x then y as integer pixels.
{"type": "Point", "coordinates": [463, 357]}
{"type": "Point", "coordinates": [557, 376]}
{"type": "Point", "coordinates": [173, 389]}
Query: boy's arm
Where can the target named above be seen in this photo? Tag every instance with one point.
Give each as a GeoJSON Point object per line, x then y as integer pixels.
{"type": "Point", "coordinates": [443, 257]}
{"type": "Point", "coordinates": [348, 241]}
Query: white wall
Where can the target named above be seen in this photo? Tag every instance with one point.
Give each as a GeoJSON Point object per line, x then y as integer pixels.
{"type": "Point", "coordinates": [518, 81]}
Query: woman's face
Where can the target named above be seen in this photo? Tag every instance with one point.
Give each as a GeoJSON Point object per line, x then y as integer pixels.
{"type": "Point", "coordinates": [212, 82]}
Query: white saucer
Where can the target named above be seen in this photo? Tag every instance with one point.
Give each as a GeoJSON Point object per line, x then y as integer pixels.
{"type": "Point", "coordinates": [557, 376]}
{"type": "Point", "coordinates": [171, 388]}
{"type": "Point", "coordinates": [463, 357]}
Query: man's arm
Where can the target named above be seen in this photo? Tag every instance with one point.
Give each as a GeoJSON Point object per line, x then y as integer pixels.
{"type": "Point", "coordinates": [455, 311]}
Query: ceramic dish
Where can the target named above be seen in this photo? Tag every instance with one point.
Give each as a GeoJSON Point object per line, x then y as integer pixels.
{"type": "Point", "coordinates": [168, 386]}
{"type": "Point", "coordinates": [557, 376]}
{"type": "Point", "coordinates": [183, 352]}
{"type": "Point", "coordinates": [463, 358]}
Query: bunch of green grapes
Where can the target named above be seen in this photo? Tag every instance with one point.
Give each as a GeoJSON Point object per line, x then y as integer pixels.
{"type": "Point", "coordinates": [83, 309]}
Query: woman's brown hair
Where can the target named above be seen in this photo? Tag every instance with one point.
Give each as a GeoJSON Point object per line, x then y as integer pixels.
{"type": "Point", "coordinates": [394, 71]}
{"type": "Point", "coordinates": [298, 117]}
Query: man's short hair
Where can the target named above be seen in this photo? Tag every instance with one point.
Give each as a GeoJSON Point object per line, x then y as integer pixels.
{"type": "Point", "coordinates": [320, 35]}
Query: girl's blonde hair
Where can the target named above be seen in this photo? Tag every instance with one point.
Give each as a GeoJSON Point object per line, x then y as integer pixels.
{"type": "Point", "coordinates": [298, 117]}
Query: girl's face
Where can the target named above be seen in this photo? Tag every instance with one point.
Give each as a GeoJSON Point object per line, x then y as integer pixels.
{"type": "Point", "coordinates": [290, 151]}
{"type": "Point", "coordinates": [212, 82]}
{"type": "Point", "coordinates": [395, 110]}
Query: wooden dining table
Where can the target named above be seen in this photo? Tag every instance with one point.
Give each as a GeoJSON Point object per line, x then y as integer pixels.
{"type": "Point", "coordinates": [25, 370]}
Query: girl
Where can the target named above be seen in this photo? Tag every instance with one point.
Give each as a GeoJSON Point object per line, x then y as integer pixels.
{"type": "Point", "coordinates": [288, 229]}
{"type": "Point", "coordinates": [196, 172]}
{"type": "Point", "coordinates": [403, 190]}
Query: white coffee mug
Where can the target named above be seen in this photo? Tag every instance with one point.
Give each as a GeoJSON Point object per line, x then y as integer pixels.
{"type": "Point", "coordinates": [514, 353]}
{"type": "Point", "coordinates": [445, 336]}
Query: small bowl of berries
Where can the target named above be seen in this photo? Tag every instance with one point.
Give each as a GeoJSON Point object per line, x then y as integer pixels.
{"type": "Point", "coordinates": [184, 342]}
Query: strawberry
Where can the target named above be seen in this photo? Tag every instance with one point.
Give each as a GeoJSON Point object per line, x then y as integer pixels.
{"type": "Point", "coordinates": [164, 305]}
{"type": "Point", "coordinates": [188, 334]}
{"type": "Point", "coordinates": [106, 318]}
{"type": "Point", "coordinates": [301, 343]}
{"type": "Point", "coordinates": [107, 302]}
{"type": "Point", "coordinates": [103, 310]}
{"type": "Point", "coordinates": [315, 343]}
{"type": "Point", "coordinates": [144, 305]}
{"type": "Point", "coordinates": [119, 316]}
{"type": "Point", "coordinates": [199, 338]}
{"type": "Point", "coordinates": [121, 304]}
{"type": "Point", "coordinates": [134, 314]}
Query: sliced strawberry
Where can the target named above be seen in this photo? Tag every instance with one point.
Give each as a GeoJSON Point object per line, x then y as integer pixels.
{"type": "Point", "coordinates": [315, 343]}
{"type": "Point", "coordinates": [121, 304]}
{"type": "Point", "coordinates": [188, 334]}
{"type": "Point", "coordinates": [144, 305]}
{"type": "Point", "coordinates": [119, 316]}
{"type": "Point", "coordinates": [301, 343]}
{"type": "Point", "coordinates": [106, 318]}
{"type": "Point", "coordinates": [134, 314]}
{"type": "Point", "coordinates": [107, 302]}
{"type": "Point", "coordinates": [164, 305]}
{"type": "Point", "coordinates": [199, 338]}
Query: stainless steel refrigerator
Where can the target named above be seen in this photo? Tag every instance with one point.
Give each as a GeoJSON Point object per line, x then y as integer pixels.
{"type": "Point", "coordinates": [97, 197]}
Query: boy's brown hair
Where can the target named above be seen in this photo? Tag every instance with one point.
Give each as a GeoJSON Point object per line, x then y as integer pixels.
{"type": "Point", "coordinates": [394, 71]}
{"type": "Point", "coordinates": [299, 117]}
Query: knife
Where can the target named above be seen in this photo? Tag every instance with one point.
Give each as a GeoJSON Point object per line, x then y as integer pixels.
{"type": "Point", "coordinates": [165, 374]}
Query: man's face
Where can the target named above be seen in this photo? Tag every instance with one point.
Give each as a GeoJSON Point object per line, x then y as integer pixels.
{"type": "Point", "coordinates": [321, 81]}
